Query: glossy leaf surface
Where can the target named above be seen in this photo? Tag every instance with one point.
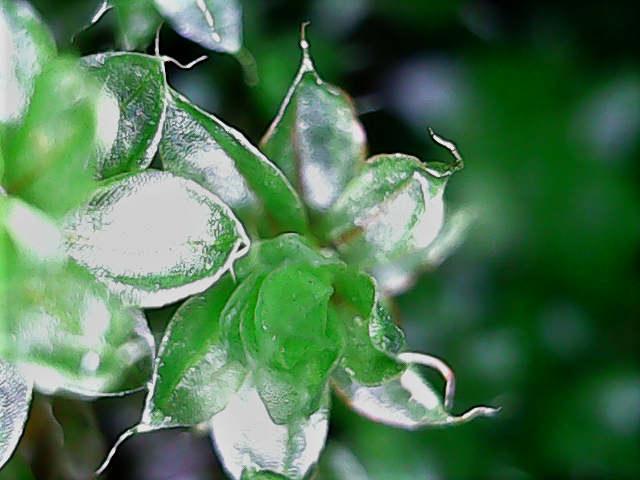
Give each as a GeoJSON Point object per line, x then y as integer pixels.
{"type": "Point", "coordinates": [198, 146]}
{"type": "Point", "coordinates": [155, 238]}
{"type": "Point", "coordinates": [27, 45]}
{"type": "Point", "coordinates": [136, 84]}
{"type": "Point", "coordinates": [214, 24]}
{"type": "Point", "coordinates": [15, 398]}
{"type": "Point", "coordinates": [251, 446]}
{"type": "Point", "coordinates": [316, 139]}
{"type": "Point", "coordinates": [392, 208]}
{"type": "Point", "coordinates": [71, 336]}
{"type": "Point", "coordinates": [374, 339]}
{"type": "Point", "coordinates": [194, 376]}
{"type": "Point", "coordinates": [53, 144]}
{"type": "Point", "coordinates": [407, 401]}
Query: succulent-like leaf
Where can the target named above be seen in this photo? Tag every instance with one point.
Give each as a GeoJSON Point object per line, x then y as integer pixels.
{"type": "Point", "coordinates": [374, 339]}
{"type": "Point", "coordinates": [70, 336]}
{"type": "Point", "coordinates": [406, 401]}
{"type": "Point", "coordinates": [65, 330]}
{"type": "Point", "coordinates": [392, 208]}
{"type": "Point", "coordinates": [27, 45]}
{"type": "Point", "coordinates": [46, 155]}
{"type": "Point", "coordinates": [193, 377]}
{"type": "Point", "coordinates": [398, 275]}
{"type": "Point", "coordinates": [136, 84]}
{"type": "Point", "coordinates": [155, 238]}
{"type": "Point", "coordinates": [316, 138]}
{"type": "Point", "coordinates": [15, 399]}
{"type": "Point", "coordinates": [214, 24]}
{"type": "Point", "coordinates": [198, 146]}
{"type": "Point", "coordinates": [251, 446]}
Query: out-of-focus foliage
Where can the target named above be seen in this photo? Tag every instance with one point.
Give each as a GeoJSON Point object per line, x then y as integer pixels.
{"type": "Point", "coordinates": [540, 305]}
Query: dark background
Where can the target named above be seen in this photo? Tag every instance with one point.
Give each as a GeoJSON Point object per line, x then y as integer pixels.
{"type": "Point", "coordinates": [539, 311]}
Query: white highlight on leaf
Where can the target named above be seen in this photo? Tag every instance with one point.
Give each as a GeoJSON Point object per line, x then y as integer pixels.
{"type": "Point", "coordinates": [33, 233]}
{"type": "Point", "coordinates": [246, 438]}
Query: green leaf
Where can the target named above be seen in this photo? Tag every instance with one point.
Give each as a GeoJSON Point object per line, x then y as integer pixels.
{"type": "Point", "coordinates": [15, 399]}
{"type": "Point", "coordinates": [406, 401]}
{"type": "Point", "coordinates": [155, 238]}
{"type": "Point", "coordinates": [291, 342]}
{"type": "Point", "coordinates": [316, 138]}
{"type": "Point", "coordinates": [288, 247]}
{"type": "Point", "coordinates": [27, 45]}
{"type": "Point", "coordinates": [193, 377]}
{"type": "Point", "coordinates": [392, 208]}
{"type": "Point", "coordinates": [136, 84]}
{"type": "Point", "coordinates": [251, 446]}
{"type": "Point", "coordinates": [71, 336]}
{"type": "Point", "coordinates": [214, 24]}
{"type": "Point", "coordinates": [198, 146]}
{"type": "Point", "coordinates": [399, 275]}
{"type": "Point", "coordinates": [46, 156]}
{"type": "Point", "coordinates": [374, 339]}
{"type": "Point", "coordinates": [138, 21]}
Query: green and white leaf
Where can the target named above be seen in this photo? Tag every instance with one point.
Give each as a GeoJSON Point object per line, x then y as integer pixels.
{"type": "Point", "coordinates": [15, 399]}
{"type": "Point", "coordinates": [214, 24]}
{"type": "Point", "coordinates": [46, 155]}
{"type": "Point", "coordinates": [27, 45]}
{"type": "Point", "coordinates": [407, 401]}
{"type": "Point", "coordinates": [393, 208]}
{"type": "Point", "coordinates": [194, 376]}
{"type": "Point", "coordinates": [71, 336]}
{"type": "Point", "coordinates": [316, 138]}
{"type": "Point", "coordinates": [136, 84]}
{"type": "Point", "coordinates": [249, 443]}
{"type": "Point", "coordinates": [399, 275]}
{"type": "Point", "coordinates": [155, 238]}
{"type": "Point", "coordinates": [197, 145]}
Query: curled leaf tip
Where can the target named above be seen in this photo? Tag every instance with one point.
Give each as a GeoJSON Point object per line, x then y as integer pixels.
{"type": "Point", "coordinates": [477, 412]}
{"type": "Point", "coordinates": [189, 65]}
{"type": "Point", "coordinates": [304, 46]}
{"type": "Point", "coordinates": [440, 366]}
{"type": "Point", "coordinates": [458, 163]}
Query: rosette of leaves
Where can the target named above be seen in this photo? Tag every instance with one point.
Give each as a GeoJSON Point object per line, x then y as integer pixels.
{"type": "Point", "coordinates": [268, 330]}
{"type": "Point", "coordinates": [252, 359]}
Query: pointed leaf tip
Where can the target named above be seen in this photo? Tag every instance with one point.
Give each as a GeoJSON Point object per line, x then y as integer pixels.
{"type": "Point", "coordinates": [407, 401]}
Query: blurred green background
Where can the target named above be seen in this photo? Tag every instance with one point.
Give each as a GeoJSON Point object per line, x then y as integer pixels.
{"type": "Point", "coordinates": [539, 310]}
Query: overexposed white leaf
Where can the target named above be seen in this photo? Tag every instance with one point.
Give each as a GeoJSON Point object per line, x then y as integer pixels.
{"type": "Point", "coordinates": [155, 238]}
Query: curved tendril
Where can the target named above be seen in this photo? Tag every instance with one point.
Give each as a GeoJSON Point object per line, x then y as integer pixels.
{"type": "Point", "coordinates": [189, 65]}
{"type": "Point", "coordinates": [453, 149]}
{"type": "Point", "coordinates": [307, 62]}
{"type": "Point", "coordinates": [479, 412]}
{"type": "Point", "coordinates": [440, 366]}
